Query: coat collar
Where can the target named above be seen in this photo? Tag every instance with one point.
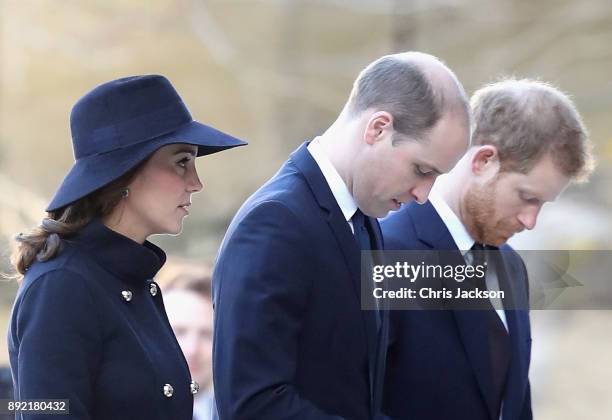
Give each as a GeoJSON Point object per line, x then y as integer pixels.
{"type": "Point", "coordinates": [309, 168]}
{"type": "Point", "coordinates": [336, 184]}
{"type": "Point", "coordinates": [430, 227]}
{"type": "Point", "coordinates": [455, 226]}
{"type": "Point", "coordinates": [322, 193]}
{"type": "Point", "coordinates": [121, 256]}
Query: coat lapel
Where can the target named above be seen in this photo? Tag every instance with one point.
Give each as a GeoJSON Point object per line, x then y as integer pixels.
{"type": "Point", "coordinates": [306, 164]}
{"type": "Point", "coordinates": [472, 324]}
{"type": "Point", "coordinates": [511, 278]}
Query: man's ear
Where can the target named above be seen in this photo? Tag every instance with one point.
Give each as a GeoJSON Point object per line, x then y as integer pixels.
{"type": "Point", "coordinates": [379, 124]}
{"type": "Point", "coordinates": [485, 160]}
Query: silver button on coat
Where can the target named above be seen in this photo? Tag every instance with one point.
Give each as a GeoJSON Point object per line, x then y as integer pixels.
{"type": "Point", "coordinates": [194, 387]}
{"type": "Point", "coordinates": [168, 390]}
{"type": "Point", "coordinates": [153, 289]}
{"type": "Point", "coordinates": [127, 295]}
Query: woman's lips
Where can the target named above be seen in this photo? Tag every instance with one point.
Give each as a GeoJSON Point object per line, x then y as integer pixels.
{"type": "Point", "coordinates": [184, 207]}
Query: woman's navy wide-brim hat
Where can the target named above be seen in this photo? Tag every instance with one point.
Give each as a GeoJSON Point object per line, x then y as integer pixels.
{"type": "Point", "coordinates": [120, 123]}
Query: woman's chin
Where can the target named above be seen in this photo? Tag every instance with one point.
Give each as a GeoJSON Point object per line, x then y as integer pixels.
{"type": "Point", "coordinates": [177, 230]}
{"type": "Point", "coordinates": [173, 230]}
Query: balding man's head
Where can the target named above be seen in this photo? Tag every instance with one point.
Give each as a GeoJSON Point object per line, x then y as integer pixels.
{"type": "Point", "coordinates": [409, 122]}
{"type": "Point", "coordinates": [417, 89]}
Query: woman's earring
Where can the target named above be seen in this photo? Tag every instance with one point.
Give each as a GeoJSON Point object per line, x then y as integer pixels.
{"type": "Point", "coordinates": [126, 193]}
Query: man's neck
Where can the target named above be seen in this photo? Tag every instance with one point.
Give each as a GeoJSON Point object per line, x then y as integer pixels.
{"type": "Point", "coordinates": [336, 141]}
{"type": "Point", "coordinates": [451, 192]}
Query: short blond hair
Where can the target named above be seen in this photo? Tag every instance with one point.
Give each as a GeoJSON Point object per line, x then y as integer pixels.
{"type": "Point", "coordinates": [528, 119]}
{"type": "Point", "coordinates": [184, 274]}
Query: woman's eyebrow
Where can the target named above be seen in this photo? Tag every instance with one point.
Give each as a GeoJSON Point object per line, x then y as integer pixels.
{"type": "Point", "coordinates": [185, 150]}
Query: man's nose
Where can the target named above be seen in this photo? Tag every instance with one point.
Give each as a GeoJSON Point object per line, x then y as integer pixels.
{"type": "Point", "coordinates": [421, 191]}
{"type": "Point", "coordinates": [529, 216]}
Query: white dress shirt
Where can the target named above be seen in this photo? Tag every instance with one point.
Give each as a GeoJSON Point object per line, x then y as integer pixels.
{"type": "Point", "coordinates": [464, 242]}
{"type": "Point", "coordinates": [336, 184]}
{"type": "Point", "coordinates": [340, 191]}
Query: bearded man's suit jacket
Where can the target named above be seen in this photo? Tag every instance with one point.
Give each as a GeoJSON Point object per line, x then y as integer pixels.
{"type": "Point", "coordinates": [437, 366]}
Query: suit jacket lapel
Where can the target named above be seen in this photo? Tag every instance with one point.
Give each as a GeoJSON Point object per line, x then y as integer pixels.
{"type": "Point", "coordinates": [472, 324]}
{"type": "Point", "coordinates": [518, 328]}
{"type": "Point", "coordinates": [306, 164]}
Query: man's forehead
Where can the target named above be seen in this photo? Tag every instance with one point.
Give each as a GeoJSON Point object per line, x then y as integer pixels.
{"type": "Point", "coordinates": [545, 180]}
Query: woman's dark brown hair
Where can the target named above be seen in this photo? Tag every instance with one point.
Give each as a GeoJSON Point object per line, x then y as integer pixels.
{"type": "Point", "coordinates": [44, 242]}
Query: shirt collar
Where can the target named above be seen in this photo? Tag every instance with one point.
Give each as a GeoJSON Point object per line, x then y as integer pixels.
{"type": "Point", "coordinates": [338, 188]}
{"type": "Point", "coordinates": [118, 254]}
{"type": "Point", "coordinates": [460, 235]}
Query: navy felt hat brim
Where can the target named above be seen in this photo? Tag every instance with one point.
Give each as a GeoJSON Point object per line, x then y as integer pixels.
{"type": "Point", "coordinates": [93, 172]}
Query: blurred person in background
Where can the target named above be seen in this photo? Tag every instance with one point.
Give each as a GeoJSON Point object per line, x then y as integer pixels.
{"type": "Point", "coordinates": [188, 303]}
{"type": "Point", "coordinates": [291, 338]}
{"type": "Point", "coordinates": [528, 144]}
{"type": "Point", "coordinates": [88, 324]}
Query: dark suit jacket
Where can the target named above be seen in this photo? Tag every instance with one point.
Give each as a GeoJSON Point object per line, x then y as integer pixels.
{"type": "Point", "coordinates": [73, 336]}
{"type": "Point", "coordinates": [291, 340]}
{"type": "Point", "coordinates": [437, 365]}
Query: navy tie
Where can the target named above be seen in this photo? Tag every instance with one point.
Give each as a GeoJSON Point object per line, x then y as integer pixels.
{"type": "Point", "coordinates": [478, 256]}
{"type": "Point", "coordinates": [364, 240]}
{"type": "Point", "coordinates": [361, 231]}
{"type": "Point", "coordinates": [498, 339]}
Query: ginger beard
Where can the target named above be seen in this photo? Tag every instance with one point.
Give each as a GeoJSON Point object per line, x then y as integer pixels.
{"type": "Point", "coordinates": [481, 218]}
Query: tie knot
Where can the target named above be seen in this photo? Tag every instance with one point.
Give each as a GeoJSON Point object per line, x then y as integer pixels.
{"type": "Point", "coordinates": [478, 247]}
{"type": "Point", "coordinates": [358, 219]}
{"type": "Point", "coordinates": [478, 253]}
{"type": "Point", "coordinates": [483, 247]}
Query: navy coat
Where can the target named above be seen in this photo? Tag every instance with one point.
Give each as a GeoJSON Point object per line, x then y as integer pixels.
{"type": "Point", "coordinates": [74, 334]}
{"type": "Point", "coordinates": [437, 364]}
{"type": "Point", "coordinates": [291, 340]}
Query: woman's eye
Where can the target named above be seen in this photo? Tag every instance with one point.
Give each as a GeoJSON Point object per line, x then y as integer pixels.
{"type": "Point", "coordinates": [183, 162]}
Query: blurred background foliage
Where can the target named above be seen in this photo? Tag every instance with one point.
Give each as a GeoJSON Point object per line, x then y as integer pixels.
{"type": "Point", "coordinates": [276, 73]}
